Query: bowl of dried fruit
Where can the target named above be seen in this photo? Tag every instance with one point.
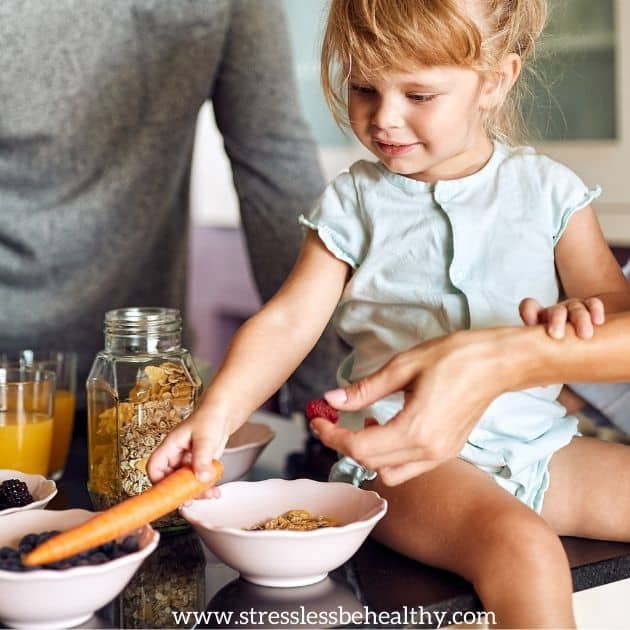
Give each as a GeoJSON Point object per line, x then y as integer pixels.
{"type": "Point", "coordinates": [20, 491]}
{"type": "Point", "coordinates": [66, 593]}
{"type": "Point", "coordinates": [282, 532]}
{"type": "Point", "coordinates": [243, 449]}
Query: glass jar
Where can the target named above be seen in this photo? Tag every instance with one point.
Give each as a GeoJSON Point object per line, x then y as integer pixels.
{"type": "Point", "coordinates": [171, 579]}
{"type": "Point", "coordinates": [139, 388]}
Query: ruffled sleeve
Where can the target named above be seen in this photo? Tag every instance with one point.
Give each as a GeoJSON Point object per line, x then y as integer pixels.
{"type": "Point", "coordinates": [339, 221]}
{"type": "Point", "coordinates": [568, 194]}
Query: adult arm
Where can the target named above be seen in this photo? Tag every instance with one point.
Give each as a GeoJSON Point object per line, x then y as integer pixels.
{"type": "Point", "coordinates": [449, 382]}
{"type": "Point", "coordinates": [274, 162]}
{"type": "Point", "coordinates": [611, 400]}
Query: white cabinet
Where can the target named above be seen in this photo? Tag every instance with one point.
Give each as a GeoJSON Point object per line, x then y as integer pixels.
{"type": "Point", "coordinates": [606, 161]}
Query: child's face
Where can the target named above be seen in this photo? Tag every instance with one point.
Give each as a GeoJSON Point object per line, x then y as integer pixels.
{"type": "Point", "coordinates": [426, 124]}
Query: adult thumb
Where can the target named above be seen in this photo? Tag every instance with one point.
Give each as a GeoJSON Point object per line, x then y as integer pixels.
{"type": "Point", "coordinates": [363, 392]}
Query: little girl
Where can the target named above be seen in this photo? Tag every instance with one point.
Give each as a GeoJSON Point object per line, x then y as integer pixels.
{"type": "Point", "coordinates": [452, 227]}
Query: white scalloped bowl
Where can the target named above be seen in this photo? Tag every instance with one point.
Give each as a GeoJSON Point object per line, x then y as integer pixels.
{"type": "Point", "coordinates": [46, 598]}
{"type": "Point", "coordinates": [243, 449]}
{"type": "Point", "coordinates": [41, 489]}
{"type": "Point", "coordinates": [280, 557]}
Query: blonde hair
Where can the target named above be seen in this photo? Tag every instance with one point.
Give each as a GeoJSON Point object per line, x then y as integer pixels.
{"type": "Point", "coordinates": [373, 36]}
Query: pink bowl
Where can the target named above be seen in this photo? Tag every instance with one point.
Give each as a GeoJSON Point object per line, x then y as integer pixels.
{"type": "Point", "coordinates": [44, 598]}
{"type": "Point", "coordinates": [281, 557]}
{"type": "Point", "coordinates": [243, 449]}
{"type": "Point", "coordinates": [42, 490]}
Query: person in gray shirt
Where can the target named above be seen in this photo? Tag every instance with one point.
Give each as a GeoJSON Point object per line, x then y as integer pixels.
{"type": "Point", "coordinates": [97, 118]}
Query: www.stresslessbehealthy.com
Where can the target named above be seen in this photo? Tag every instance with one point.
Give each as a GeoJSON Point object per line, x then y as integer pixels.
{"type": "Point", "coordinates": [327, 618]}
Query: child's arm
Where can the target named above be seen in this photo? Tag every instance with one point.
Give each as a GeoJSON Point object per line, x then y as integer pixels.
{"type": "Point", "coordinates": [590, 276]}
{"type": "Point", "coordinates": [261, 356]}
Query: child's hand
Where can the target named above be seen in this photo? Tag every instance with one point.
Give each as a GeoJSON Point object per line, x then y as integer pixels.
{"type": "Point", "coordinates": [582, 313]}
{"type": "Point", "coordinates": [196, 441]}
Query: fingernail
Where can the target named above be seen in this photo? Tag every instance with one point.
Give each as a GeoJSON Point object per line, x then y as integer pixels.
{"type": "Point", "coordinates": [313, 430]}
{"type": "Point", "coordinates": [203, 476]}
{"type": "Point", "coordinates": [336, 396]}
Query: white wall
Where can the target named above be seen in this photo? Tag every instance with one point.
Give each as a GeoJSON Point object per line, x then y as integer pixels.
{"type": "Point", "coordinates": [213, 200]}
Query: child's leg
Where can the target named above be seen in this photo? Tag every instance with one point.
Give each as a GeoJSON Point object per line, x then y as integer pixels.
{"type": "Point", "coordinates": [456, 517]}
{"type": "Point", "coordinates": [588, 493]}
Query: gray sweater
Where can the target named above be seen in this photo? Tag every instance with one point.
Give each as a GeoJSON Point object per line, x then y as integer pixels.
{"type": "Point", "coordinates": [98, 102]}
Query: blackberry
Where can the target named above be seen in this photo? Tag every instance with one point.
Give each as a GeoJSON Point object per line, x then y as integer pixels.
{"type": "Point", "coordinates": [129, 544]}
{"type": "Point", "coordinates": [108, 548]}
{"type": "Point", "coordinates": [28, 543]}
{"type": "Point", "coordinates": [8, 553]}
{"type": "Point", "coordinates": [44, 536]}
{"type": "Point", "coordinates": [10, 559]}
{"type": "Point", "coordinates": [98, 558]}
{"type": "Point", "coordinates": [14, 493]}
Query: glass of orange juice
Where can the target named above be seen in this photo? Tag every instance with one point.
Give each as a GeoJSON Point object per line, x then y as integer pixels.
{"type": "Point", "coordinates": [64, 365]}
{"type": "Point", "coordinates": [27, 398]}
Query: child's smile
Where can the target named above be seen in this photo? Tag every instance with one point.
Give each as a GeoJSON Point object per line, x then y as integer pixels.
{"type": "Point", "coordinates": [426, 124]}
{"type": "Point", "coordinates": [394, 149]}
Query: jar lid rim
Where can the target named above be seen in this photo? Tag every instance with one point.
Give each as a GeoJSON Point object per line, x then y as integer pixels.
{"type": "Point", "coordinates": [142, 313]}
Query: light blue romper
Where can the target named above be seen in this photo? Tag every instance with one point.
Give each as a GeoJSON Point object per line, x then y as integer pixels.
{"type": "Point", "coordinates": [432, 258]}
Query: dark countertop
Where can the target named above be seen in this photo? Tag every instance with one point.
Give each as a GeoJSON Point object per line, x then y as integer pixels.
{"type": "Point", "coordinates": [181, 576]}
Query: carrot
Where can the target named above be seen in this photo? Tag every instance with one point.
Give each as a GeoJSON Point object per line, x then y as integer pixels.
{"type": "Point", "coordinates": [175, 489]}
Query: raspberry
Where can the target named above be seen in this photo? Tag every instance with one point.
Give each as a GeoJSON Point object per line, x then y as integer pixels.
{"type": "Point", "coordinates": [320, 409]}
{"type": "Point", "coordinates": [14, 493]}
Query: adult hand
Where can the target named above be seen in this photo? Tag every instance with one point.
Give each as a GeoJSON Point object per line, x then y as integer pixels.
{"type": "Point", "coordinates": [448, 383]}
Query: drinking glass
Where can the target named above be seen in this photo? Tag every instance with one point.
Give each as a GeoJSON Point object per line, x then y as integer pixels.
{"type": "Point", "coordinates": [64, 365]}
{"type": "Point", "coordinates": [27, 398]}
